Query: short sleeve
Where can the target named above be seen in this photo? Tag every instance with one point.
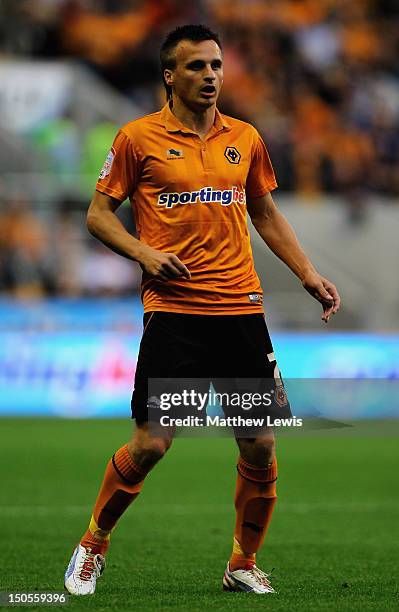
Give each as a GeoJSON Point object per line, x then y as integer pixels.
{"type": "Point", "coordinates": [118, 176]}
{"type": "Point", "coordinates": [261, 177]}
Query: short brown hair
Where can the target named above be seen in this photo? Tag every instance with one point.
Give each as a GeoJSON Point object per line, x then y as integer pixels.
{"type": "Point", "coordinates": [195, 33]}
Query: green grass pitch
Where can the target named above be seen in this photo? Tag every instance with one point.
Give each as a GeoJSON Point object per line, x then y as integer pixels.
{"type": "Point", "coordinates": [333, 539]}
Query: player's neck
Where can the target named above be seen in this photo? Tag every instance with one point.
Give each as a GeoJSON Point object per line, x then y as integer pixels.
{"type": "Point", "coordinates": [199, 122]}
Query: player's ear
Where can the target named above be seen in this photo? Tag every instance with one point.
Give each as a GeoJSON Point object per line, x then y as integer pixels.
{"type": "Point", "coordinates": [168, 76]}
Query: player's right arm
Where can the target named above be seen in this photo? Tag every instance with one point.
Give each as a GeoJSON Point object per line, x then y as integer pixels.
{"type": "Point", "coordinates": [103, 224]}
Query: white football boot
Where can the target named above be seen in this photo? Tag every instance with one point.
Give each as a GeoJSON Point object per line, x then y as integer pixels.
{"type": "Point", "coordinates": [251, 580]}
{"type": "Point", "coordinates": [83, 570]}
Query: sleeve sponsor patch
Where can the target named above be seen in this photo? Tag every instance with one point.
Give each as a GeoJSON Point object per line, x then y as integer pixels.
{"type": "Point", "coordinates": [106, 169]}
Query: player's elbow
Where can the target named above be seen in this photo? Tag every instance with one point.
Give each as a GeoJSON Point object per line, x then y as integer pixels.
{"type": "Point", "coordinates": [260, 219]}
{"type": "Point", "coordinates": [92, 222]}
{"type": "Point", "coordinates": [262, 211]}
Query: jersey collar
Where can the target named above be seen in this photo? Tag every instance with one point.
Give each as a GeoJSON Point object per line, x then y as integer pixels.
{"type": "Point", "coordinates": [172, 124]}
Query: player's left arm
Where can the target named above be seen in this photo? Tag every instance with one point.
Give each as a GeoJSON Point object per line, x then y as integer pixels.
{"type": "Point", "coordinates": [280, 237]}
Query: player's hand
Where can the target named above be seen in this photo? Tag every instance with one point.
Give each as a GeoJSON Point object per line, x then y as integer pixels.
{"type": "Point", "coordinates": [324, 291]}
{"type": "Point", "coordinates": [162, 266]}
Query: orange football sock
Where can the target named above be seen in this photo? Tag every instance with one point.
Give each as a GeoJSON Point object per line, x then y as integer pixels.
{"type": "Point", "coordinates": [121, 485]}
{"type": "Point", "coordinates": [254, 501]}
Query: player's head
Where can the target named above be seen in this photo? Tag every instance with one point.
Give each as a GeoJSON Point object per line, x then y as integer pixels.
{"type": "Point", "coordinates": [192, 65]}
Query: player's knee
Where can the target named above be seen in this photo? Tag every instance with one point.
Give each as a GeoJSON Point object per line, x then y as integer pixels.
{"type": "Point", "coordinates": [150, 455]}
{"type": "Point", "coordinates": [146, 453]}
{"type": "Point", "coordinates": [258, 451]}
{"type": "Point", "coordinates": [265, 450]}
{"type": "Point", "coordinates": [159, 446]}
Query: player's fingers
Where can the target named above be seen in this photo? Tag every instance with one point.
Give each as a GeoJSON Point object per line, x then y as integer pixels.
{"type": "Point", "coordinates": [336, 306]}
{"type": "Point", "coordinates": [325, 295]}
{"type": "Point", "coordinates": [327, 312]}
{"type": "Point", "coordinates": [325, 317]}
{"type": "Point", "coordinates": [184, 271]}
{"type": "Point", "coordinates": [318, 291]}
{"type": "Point", "coordinates": [332, 290]}
{"type": "Point", "coordinates": [337, 301]}
{"type": "Point", "coordinates": [162, 277]}
{"type": "Point", "coordinates": [171, 270]}
{"type": "Point", "coordinates": [327, 301]}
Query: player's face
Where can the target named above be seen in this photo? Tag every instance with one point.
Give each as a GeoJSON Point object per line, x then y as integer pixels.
{"type": "Point", "coordinates": [198, 76]}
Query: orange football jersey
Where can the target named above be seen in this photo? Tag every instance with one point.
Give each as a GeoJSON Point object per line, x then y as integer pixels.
{"type": "Point", "coordinates": [189, 198]}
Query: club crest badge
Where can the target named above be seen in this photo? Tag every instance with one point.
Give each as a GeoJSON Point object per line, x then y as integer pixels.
{"type": "Point", "coordinates": [232, 155]}
{"type": "Point", "coordinates": [280, 395]}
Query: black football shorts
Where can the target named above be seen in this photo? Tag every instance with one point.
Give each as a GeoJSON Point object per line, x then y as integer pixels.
{"type": "Point", "coordinates": [233, 352]}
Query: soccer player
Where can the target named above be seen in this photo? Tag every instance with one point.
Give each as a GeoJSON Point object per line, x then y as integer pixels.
{"type": "Point", "coordinates": [192, 174]}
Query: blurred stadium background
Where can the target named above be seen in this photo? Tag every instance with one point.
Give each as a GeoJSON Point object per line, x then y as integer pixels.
{"type": "Point", "coordinates": [319, 79]}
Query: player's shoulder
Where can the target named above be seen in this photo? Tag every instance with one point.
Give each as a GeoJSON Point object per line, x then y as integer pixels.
{"type": "Point", "coordinates": [240, 125]}
{"type": "Point", "coordinates": [142, 125]}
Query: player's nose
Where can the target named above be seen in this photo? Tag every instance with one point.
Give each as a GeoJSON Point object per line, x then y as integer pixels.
{"type": "Point", "coordinates": [210, 74]}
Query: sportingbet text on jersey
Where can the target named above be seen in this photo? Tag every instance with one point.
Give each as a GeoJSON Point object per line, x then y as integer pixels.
{"type": "Point", "coordinates": [205, 195]}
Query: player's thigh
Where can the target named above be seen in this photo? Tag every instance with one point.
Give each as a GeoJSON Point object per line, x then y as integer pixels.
{"type": "Point", "coordinates": [249, 368]}
{"type": "Point", "coordinates": [247, 346]}
{"type": "Point", "coordinates": [171, 358]}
